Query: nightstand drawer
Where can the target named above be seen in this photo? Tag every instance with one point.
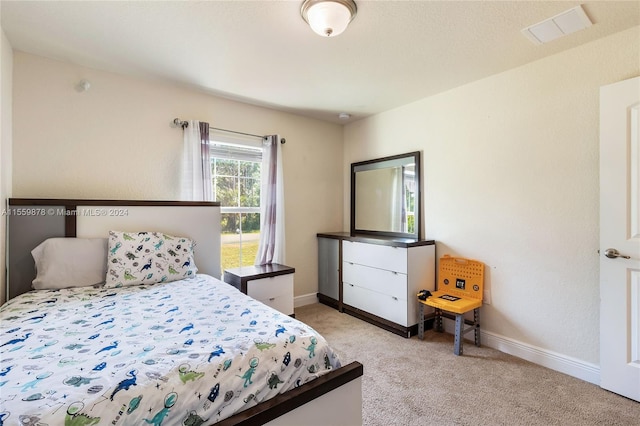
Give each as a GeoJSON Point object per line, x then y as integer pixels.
{"type": "Point", "coordinates": [265, 288]}
{"type": "Point", "coordinates": [271, 284]}
{"type": "Point", "coordinates": [276, 292]}
{"type": "Point", "coordinates": [283, 303]}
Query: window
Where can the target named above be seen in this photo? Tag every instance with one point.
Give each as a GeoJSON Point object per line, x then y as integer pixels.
{"type": "Point", "coordinates": [235, 171]}
{"type": "Point", "coordinates": [410, 198]}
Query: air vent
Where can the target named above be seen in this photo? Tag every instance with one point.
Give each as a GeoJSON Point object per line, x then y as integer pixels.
{"type": "Point", "coordinates": [558, 26]}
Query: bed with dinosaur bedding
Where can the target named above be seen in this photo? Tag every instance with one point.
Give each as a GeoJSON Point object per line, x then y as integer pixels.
{"type": "Point", "coordinates": [159, 339]}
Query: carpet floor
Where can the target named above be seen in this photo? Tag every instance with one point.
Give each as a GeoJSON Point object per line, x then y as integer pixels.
{"type": "Point", "coordinates": [421, 382]}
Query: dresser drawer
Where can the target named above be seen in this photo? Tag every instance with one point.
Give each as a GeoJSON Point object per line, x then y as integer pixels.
{"type": "Point", "coordinates": [382, 305]}
{"type": "Point", "coordinates": [265, 288]}
{"type": "Point", "coordinates": [378, 280]}
{"type": "Point", "coordinates": [383, 257]}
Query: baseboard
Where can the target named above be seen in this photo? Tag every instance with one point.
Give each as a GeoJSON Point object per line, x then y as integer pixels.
{"type": "Point", "coordinates": [305, 299]}
{"type": "Point", "coordinates": [564, 364]}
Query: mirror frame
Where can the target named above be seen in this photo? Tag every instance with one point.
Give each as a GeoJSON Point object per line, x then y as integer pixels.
{"type": "Point", "coordinates": [375, 164]}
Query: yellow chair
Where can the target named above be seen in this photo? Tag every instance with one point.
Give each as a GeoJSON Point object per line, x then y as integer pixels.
{"type": "Point", "coordinates": [460, 289]}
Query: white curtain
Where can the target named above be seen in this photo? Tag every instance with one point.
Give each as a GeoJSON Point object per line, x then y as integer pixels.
{"type": "Point", "coordinates": [196, 163]}
{"type": "Point", "coordinates": [271, 248]}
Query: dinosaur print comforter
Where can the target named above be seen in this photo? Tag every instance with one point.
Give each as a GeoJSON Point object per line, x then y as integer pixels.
{"type": "Point", "coordinates": [187, 352]}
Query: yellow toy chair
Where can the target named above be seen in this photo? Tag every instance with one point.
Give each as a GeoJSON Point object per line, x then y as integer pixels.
{"type": "Point", "coordinates": [460, 289]}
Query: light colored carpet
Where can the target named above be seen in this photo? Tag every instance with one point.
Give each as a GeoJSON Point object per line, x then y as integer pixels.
{"type": "Point", "coordinates": [421, 382]}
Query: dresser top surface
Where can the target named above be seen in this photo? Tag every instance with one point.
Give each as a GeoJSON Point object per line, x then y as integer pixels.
{"type": "Point", "coordinates": [375, 239]}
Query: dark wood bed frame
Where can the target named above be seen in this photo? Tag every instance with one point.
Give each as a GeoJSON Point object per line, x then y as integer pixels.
{"type": "Point", "coordinates": [285, 402]}
{"type": "Point", "coordinates": [24, 233]}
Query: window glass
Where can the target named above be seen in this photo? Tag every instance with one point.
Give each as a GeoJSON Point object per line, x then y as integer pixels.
{"type": "Point", "coordinates": [235, 171]}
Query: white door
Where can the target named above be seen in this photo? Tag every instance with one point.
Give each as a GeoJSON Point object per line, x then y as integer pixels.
{"type": "Point", "coordinates": [620, 238]}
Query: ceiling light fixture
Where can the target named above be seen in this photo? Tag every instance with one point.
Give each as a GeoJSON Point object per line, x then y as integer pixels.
{"type": "Point", "coordinates": [328, 18]}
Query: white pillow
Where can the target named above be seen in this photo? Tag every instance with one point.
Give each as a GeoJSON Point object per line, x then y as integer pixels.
{"type": "Point", "coordinates": [70, 262]}
{"type": "Point", "coordinates": [147, 258]}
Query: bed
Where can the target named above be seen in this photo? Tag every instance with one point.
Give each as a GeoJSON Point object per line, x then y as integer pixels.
{"type": "Point", "coordinates": [158, 343]}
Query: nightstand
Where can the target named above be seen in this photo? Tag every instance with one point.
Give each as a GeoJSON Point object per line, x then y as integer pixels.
{"type": "Point", "coordinates": [270, 284]}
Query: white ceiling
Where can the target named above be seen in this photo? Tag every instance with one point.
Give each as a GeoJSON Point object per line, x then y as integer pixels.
{"type": "Point", "coordinates": [262, 52]}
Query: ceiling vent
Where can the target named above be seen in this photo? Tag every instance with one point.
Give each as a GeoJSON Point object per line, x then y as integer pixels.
{"type": "Point", "coordinates": [560, 25]}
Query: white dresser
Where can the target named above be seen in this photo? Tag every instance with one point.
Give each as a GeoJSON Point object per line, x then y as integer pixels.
{"type": "Point", "coordinates": [379, 279]}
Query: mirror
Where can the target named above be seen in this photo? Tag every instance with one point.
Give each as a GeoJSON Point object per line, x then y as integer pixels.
{"type": "Point", "coordinates": [385, 196]}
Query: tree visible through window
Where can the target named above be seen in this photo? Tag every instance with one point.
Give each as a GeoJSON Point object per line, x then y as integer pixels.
{"type": "Point", "coordinates": [235, 171]}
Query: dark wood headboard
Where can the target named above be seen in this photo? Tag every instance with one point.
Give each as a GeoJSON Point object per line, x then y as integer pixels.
{"type": "Point", "coordinates": [32, 220]}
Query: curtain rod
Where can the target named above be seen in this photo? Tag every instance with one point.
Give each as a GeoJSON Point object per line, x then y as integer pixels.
{"type": "Point", "coordinates": [238, 133]}
{"type": "Point", "coordinates": [182, 123]}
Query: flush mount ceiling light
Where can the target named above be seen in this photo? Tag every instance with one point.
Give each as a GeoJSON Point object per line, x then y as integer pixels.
{"type": "Point", "coordinates": [328, 18]}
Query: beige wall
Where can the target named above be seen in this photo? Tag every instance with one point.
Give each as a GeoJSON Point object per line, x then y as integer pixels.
{"type": "Point", "coordinates": [6, 73]}
{"type": "Point", "coordinates": [510, 170]}
{"type": "Point", "coordinates": [511, 178]}
{"type": "Point", "coordinates": [115, 141]}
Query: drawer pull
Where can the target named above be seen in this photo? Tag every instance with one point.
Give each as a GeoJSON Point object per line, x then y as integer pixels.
{"type": "Point", "coordinates": [394, 297]}
{"type": "Point", "coordinates": [350, 285]}
{"type": "Point", "coordinates": [271, 299]}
